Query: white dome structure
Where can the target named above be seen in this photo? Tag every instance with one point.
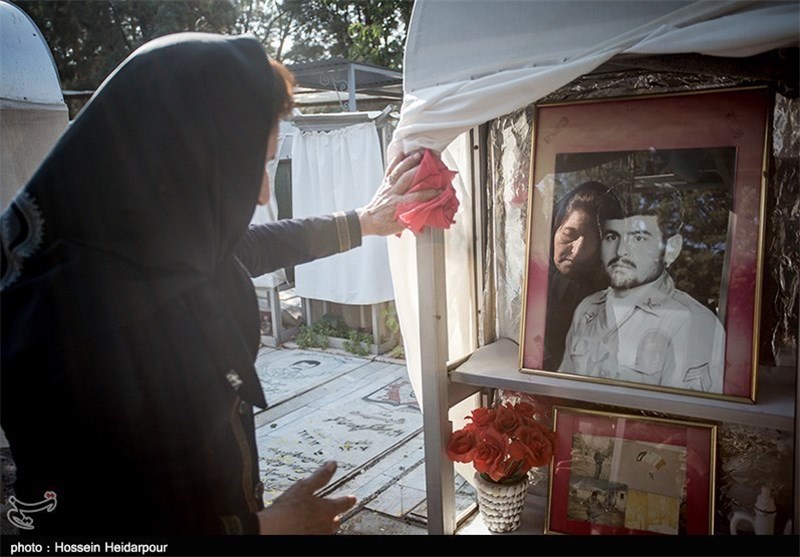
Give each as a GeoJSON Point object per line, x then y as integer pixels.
{"type": "Point", "coordinates": [33, 113]}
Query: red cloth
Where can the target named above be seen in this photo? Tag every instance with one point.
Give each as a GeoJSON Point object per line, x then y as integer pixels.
{"type": "Point", "coordinates": [439, 211]}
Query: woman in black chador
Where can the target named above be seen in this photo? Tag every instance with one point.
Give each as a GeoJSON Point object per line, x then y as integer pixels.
{"type": "Point", "coordinates": [129, 322]}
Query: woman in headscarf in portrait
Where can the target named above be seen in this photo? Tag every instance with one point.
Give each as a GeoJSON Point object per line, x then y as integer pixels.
{"type": "Point", "coordinates": [575, 267]}
{"type": "Point", "coordinates": [130, 324]}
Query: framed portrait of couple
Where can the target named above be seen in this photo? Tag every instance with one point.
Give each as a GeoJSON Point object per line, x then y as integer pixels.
{"type": "Point", "coordinates": [617, 474]}
{"type": "Point", "coordinates": [644, 247]}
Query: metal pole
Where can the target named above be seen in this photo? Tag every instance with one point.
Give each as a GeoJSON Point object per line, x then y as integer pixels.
{"type": "Point", "coordinates": [351, 87]}
{"type": "Point", "coordinates": [439, 471]}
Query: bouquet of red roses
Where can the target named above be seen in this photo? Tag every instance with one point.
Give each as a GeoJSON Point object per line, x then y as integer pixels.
{"type": "Point", "coordinates": [503, 443]}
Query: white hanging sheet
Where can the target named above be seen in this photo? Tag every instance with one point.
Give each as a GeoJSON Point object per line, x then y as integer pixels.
{"type": "Point", "coordinates": [340, 170]}
{"type": "Point", "coordinates": [469, 61]}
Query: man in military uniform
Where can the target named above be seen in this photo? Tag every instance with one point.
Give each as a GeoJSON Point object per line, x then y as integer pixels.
{"type": "Point", "coordinates": [641, 329]}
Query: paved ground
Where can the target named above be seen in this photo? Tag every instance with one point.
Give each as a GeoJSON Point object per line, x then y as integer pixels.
{"type": "Point", "coordinates": [360, 412]}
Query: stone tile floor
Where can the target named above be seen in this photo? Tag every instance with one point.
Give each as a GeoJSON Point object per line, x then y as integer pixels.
{"type": "Point", "coordinates": [360, 412]}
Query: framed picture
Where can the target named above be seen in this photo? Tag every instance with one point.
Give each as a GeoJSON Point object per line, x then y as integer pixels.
{"type": "Point", "coordinates": [618, 474]}
{"type": "Point", "coordinates": [645, 233]}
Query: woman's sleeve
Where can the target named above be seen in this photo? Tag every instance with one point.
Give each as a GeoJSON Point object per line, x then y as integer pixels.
{"type": "Point", "coordinates": [285, 243]}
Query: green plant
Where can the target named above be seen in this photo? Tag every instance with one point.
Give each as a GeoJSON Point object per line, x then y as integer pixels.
{"type": "Point", "coordinates": [357, 342]}
{"type": "Point", "coordinates": [332, 326]}
{"type": "Point", "coordinates": [391, 320]}
{"type": "Point", "coordinates": [393, 326]}
{"type": "Point", "coordinates": [398, 352]}
{"type": "Point", "coordinates": [307, 337]}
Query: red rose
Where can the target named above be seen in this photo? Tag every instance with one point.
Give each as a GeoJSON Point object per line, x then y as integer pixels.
{"type": "Point", "coordinates": [527, 411]}
{"type": "Point", "coordinates": [517, 464]}
{"type": "Point", "coordinates": [462, 445]}
{"type": "Point", "coordinates": [482, 417]}
{"type": "Point", "coordinates": [517, 450]}
{"type": "Point", "coordinates": [506, 420]}
{"type": "Point", "coordinates": [490, 453]}
{"type": "Point", "coordinates": [538, 443]}
{"type": "Point", "coordinates": [503, 442]}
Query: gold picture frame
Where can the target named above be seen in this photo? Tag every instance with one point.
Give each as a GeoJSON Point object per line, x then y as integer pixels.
{"type": "Point", "coordinates": [693, 329]}
{"type": "Point", "coordinates": [619, 474]}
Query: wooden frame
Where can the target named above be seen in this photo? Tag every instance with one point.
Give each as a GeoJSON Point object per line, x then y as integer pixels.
{"type": "Point", "coordinates": [711, 146]}
{"type": "Point", "coordinates": [621, 474]}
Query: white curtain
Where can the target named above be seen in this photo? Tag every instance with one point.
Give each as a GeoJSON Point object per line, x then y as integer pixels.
{"type": "Point", "coordinates": [469, 61]}
{"type": "Point", "coordinates": [340, 170]}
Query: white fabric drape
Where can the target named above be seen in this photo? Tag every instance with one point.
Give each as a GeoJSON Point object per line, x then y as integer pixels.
{"type": "Point", "coordinates": [460, 287]}
{"type": "Point", "coordinates": [340, 170]}
{"type": "Point", "coordinates": [468, 62]}
{"type": "Point", "coordinates": [457, 74]}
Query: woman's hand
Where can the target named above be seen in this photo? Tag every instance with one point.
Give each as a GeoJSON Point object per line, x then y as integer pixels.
{"type": "Point", "coordinates": [299, 511]}
{"type": "Point", "coordinates": [378, 216]}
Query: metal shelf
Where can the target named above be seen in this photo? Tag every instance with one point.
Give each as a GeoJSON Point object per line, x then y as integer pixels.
{"type": "Point", "coordinates": [496, 366]}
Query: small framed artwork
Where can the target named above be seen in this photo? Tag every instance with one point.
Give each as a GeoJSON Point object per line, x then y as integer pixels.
{"type": "Point", "coordinates": [618, 474]}
{"type": "Point", "coordinates": [645, 234]}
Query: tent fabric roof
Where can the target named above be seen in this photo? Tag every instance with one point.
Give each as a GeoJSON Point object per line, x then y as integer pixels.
{"type": "Point", "coordinates": [27, 71]}
{"type": "Point", "coordinates": [458, 74]}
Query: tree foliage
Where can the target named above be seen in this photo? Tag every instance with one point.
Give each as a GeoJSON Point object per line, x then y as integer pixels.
{"type": "Point", "coordinates": [89, 38]}
{"type": "Point", "coordinates": [372, 31]}
{"type": "Point", "coordinates": [270, 20]}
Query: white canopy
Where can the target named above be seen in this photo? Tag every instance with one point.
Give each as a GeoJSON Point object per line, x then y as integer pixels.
{"type": "Point", "coordinates": [470, 61]}
{"type": "Point", "coordinates": [28, 72]}
{"type": "Point", "coordinates": [33, 113]}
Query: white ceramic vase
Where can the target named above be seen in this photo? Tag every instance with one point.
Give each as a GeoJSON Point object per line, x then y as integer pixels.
{"type": "Point", "coordinates": [501, 505]}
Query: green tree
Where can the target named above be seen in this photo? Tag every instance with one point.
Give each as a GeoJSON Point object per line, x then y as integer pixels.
{"type": "Point", "coordinates": [272, 21]}
{"type": "Point", "coordinates": [89, 38]}
{"type": "Point", "coordinates": [371, 31]}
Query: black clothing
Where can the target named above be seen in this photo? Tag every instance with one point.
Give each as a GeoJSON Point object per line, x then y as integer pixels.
{"type": "Point", "coordinates": [293, 241]}
{"type": "Point", "coordinates": [563, 296]}
{"type": "Point", "coordinates": [564, 293]}
{"type": "Point", "coordinates": [130, 327]}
